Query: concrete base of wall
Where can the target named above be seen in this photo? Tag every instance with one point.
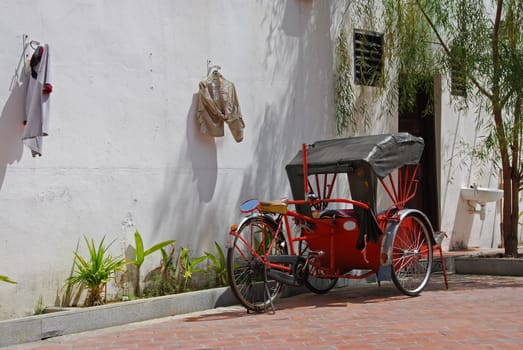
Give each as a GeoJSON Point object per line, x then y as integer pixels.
{"type": "Point", "coordinates": [61, 321]}
{"type": "Point", "coordinates": [489, 266]}
{"type": "Point", "coordinates": [74, 320]}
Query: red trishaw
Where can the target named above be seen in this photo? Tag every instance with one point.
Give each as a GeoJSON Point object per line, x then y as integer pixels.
{"type": "Point", "coordinates": [328, 237]}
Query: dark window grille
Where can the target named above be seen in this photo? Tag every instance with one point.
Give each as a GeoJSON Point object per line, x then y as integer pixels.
{"type": "Point", "coordinates": [368, 58]}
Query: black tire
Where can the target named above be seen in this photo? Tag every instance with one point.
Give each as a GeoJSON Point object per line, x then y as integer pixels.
{"type": "Point", "coordinates": [318, 284]}
{"type": "Point", "coordinates": [246, 271]}
{"type": "Point", "coordinates": [411, 255]}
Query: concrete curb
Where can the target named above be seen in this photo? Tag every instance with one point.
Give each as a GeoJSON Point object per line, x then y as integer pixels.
{"type": "Point", "coordinates": [489, 266]}
{"type": "Point", "coordinates": [39, 327]}
{"type": "Point", "coordinates": [488, 262]}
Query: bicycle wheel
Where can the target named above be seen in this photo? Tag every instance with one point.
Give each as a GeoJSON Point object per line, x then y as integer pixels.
{"type": "Point", "coordinates": [247, 270]}
{"type": "Point", "coordinates": [318, 284]}
{"type": "Point", "coordinates": [411, 255]}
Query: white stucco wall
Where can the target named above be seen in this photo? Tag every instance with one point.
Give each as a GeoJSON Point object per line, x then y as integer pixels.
{"type": "Point", "coordinates": [124, 151]}
{"type": "Point", "coordinates": [459, 135]}
{"type": "Point", "coordinates": [124, 146]}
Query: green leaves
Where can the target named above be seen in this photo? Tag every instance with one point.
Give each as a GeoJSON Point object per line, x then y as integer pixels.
{"type": "Point", "coordinates": [218, 265]}
{"type": "Point", "coordinates": [344, 93]}
{"type": "Point", "coordinates": [188, 266]}
{"type": "Point", "coordinates": [138, 245]}
{"type": "Point", "coordinates": [6, 279]}
{"type": "Point", "coordinates": [95, 271]}
{"type": "Point", "coordinates": [141, 253]}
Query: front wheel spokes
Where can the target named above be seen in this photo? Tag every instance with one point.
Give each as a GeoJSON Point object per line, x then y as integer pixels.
{"type": "Point", "coordinates": [249, 287]}
{"type": "Point", "coordinates": [247, 273]}
{"type": "Point", "coordinates": [412, 242]}
{"type": "Point", "coordinates": [407, 261]}
{"type": "Point", "coordinates": [412, 255]}
{"type": "Point", "coordinates": [408, 239]}
{"type": "Point", "coordinates": [403, 261]}
{"type": "Point", "coordinates": [254, 240]}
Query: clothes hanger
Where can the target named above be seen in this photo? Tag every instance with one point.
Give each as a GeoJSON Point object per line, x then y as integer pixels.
{"type": "Point", "coordinates": [33, 44]}
{"type": "Point", "coordinates": [212, 69]}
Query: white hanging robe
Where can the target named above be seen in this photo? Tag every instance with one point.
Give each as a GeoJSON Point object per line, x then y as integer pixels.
{"type": "Point", "coordinates": [37, 100]}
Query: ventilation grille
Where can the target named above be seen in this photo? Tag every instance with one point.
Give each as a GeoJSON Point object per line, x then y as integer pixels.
{"type": "Point", "coordinates": [368, 58]}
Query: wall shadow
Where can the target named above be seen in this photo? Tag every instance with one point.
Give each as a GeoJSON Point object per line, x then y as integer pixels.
{"type": "Point", "coordinates": [12, 128]}
{"type": "Point", "coordinates": [293, 14]}
{"type": "Point", "coordinates": [276, 130]}
{"type": "Point", "coordinates": [303, 113]}
{"type": "Point", "coordinates": [202, 152]}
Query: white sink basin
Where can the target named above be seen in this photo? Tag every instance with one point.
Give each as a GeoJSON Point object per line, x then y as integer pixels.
{"type": "Point", "coordinates": [481, 195]}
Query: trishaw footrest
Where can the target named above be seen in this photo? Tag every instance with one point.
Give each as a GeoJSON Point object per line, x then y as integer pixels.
{"type": "Point", "coordinates": [283, 277]}
{"type": "Point", "coordinates": [284, 259]}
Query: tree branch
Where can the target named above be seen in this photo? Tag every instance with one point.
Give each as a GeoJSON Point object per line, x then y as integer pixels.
{"type": "Point", "coordinates": [516, 140]}
{"type": "Point", "coordinates": [496, 102]}
{"type": "Point", "coordinates": [495, 51]}
{"type": "Point", "coordinates": [476, 83]}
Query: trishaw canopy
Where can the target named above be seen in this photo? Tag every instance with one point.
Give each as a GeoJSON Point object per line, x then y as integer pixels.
{"type": "Point", "coordinates": [383, 153]}
{"type": "Point", "coordinates": [363, 159]}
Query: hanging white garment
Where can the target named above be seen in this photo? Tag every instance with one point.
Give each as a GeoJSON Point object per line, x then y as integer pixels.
{"type": "Point", "coordinates": [37, 100]}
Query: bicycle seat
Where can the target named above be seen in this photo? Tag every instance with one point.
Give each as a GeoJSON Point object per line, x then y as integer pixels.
{"type": "Point", "coordinates": [276, 207]}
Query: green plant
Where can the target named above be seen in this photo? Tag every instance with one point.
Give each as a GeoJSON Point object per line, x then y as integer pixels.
{"type": "Point", "coordinates": [344, 97]}
{"type": "Point", "coordinates": [162, 280]}
{"type": "Point", "coordinates": [218, 265]}
{"type": "Point", "coordinates": [167, 269]}
{"type": "Point", "coordinates": [6, 279]}
{"type": "Point", "coordinates": [94, 273]}
{"type": "Point", "coordinates": [40, 306]}
{"type": "Point", "coordinates": [140, 255]}
{"type": "Point", "coordinates": [188, 267]}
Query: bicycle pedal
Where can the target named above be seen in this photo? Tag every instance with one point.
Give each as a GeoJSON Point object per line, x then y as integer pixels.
{"type": "Point", "coordinates": [316, 253]}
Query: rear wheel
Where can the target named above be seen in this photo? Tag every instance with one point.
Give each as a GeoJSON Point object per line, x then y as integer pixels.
{"type": "Point", "coordinates": [411, 255]}
{"type": "Point", "coordinates": [318, 284]}
{"type": "Point", "coordinates": [247, 270]}
{"type": "Point", "coordinates": [316, 281]}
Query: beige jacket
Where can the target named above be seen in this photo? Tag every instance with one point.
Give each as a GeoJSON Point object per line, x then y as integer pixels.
{"type": "Point", "coordinates": [218, 103]}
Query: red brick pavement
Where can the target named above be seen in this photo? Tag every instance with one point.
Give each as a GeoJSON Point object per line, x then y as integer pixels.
{"type": "Point", "coordinates": [477, 312]}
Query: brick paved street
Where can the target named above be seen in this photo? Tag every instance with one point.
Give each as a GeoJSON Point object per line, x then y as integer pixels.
{"type": "Point", "coordinates": [477, 312]}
